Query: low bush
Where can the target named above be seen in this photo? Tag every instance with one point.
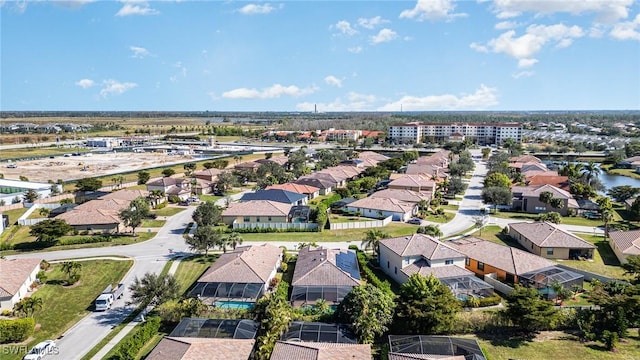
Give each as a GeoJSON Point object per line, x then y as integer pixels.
{"type": "Point", "coordinates": [16, 330]}
{"type": "Point", "coordinates": [269, 230]}
{"type": "Point", "coordinates": [85, 240]}
{"type": "Point", "coordinates": [473, 302]}
{"type": "Point", "coordinates": [129, 348]}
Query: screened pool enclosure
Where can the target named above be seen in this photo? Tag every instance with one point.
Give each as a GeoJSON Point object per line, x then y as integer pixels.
{"type": "Point", "coordinates": [308, 295]}
{"type": "Point", "coordinates": [216, 328]}
{"type": "Point", "coordinates": [224, 291]}
{"type": "Point", "coordinates": [434, 347]}
{"type": "Point", "coordinates": [466, 286]}
{"type": "Point", "coordinates": [319, 332]}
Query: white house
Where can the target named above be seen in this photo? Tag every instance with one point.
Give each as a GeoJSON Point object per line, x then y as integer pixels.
{"type": "Point", "coordinates": [16, 277]}
{"type": "Point", "coordinates": [380, 208]}
{"type": "Point", "coordinates": [9, 189]}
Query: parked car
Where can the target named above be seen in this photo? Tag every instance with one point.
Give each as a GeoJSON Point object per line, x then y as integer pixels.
{"type": "Point", "coordinates": [415, 221]}
{"type": "Point", "coordinates": [42, 349]}
{"type": "Point", "coordinates": [12, 166]}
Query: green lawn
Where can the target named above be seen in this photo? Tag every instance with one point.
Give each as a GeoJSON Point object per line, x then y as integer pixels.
{"type": "Point", "coordinates": [190, 269]}
{"type": "Point", "coordinates": [623, 172]}
{"type": "Point", "coordinates": [604, 260]}
{"type": "Point", "coordinates": [14, 214]}
{"type": "Point", "coordinates": [442, 219]}
{"type": "Point", "coordinates": [355, 235]}
{"type": "Point", "coordinates": [334, 218]}
{"type": "Point", "coordinates": [64, 306]}
{"type": "Point", "coordinates": [167, 211]}
{"type": "Point", "coordinates": [22, 236]}
{"type": "Point", "coordinates": [565, 219]}
{"type": "Point", "coordinates": [450, 207]}
{"type": "Point", "coordinates": [152, 223]}
{"type": "Point", "coordinates": [212, 198]}
{"type": "Point", "coordinates": [558, 345]}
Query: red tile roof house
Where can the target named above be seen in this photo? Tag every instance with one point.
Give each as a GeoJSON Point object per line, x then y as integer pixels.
{"type": "Point", "coordinates": [305, 350]}
{"type": "Point", "coordinates": [241, 275]}
{"type": "Point", "coordinates": [549, 241]}
{"type": "Point", "coordinates": [624, 244]}
{"type": "Point", "coordinates": [189, 348]}
{"type": "Point", "coordinates": [16, 277]}
{"type": "Point", "coordinates": [527, 199]}
{"type": "Point", "coordinates": [321, 273]}
{"type": "Point", "coordinates": [325, 185]}
{"type": "Point", "coordinates": [380, 208]}
{"type": "Point", "coordinates": [256, 211]}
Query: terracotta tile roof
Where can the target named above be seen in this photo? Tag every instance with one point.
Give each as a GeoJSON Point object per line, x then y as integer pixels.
{"type": "Point", "coordinates": [257, 208]}
{"type": "Point", "coordinates": [424, 169]}
{"type": "Point", "coordinates": [413, 181]}
{"type": "Point", "coordinates": [524, 159]}
{"type": "Point", "coordinates": [105, 205]}
{"type": "Point", "coordinates": [441, 272]}
{"type": "Point", "coordinates": [383, 204]}
{"type": "Point", "coordinates": [13, 273]}
{"type": "Point", "coordinates": [545, 234]}
{"type": "Point", "coordinates": [179, 348]}
{"type": "Point", "coordinates": [561, 182]}
{"type": "Point", "coordinates": [246, 264]}
{"type": "Point", "coordinates": [627, 241]}
{"type": "Point", "coordinates": [293, 187]}
{"type": "Point", "coordinates": [372, 155]}
{"type": "Point", "coordinates": [421, 245]}
{"type": "Point", "coordinates": [533, 166]}
{"type": "Point", "coordinates": [534, 172]}
{"type": "Point", "coordinates": [166, 181]}
{"type": "Point", "coordinates": [125, 194]}
{"type": "Point", "coordinates": [297, 350]}
{"type": "Point", "coordinates": [403, 195]}
{"type": "Point", "coordinates": [81, 217]}
{"type": "Point", "coordinates": [509, 259]}
{"type": "Point", "coordinates": [319, 266]}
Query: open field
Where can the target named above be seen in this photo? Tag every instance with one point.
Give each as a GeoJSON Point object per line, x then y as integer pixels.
{"type": "Point", "coordinates": [63, 306]}
{"type": "Point", "coordinates": [354, 235]}
{"type": "Point", "coordinates": [71, 168]}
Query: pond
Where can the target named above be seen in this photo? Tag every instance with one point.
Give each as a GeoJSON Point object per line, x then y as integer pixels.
{"type": "Point", "coordinates": [606, 179]}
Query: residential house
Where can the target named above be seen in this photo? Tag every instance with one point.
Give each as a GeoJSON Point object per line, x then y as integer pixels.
{"type": "Point", "coordinates": [548, 178]}
{"type": "Point", "coordinates": [125, 194]}
{"type": "Point", "coordinates": [380, 208]}
{"type": "Point", "coordinates": [248, 165]}
{"type": "Point", "coordinates": [210, 175]}
{"type": "Point", "coordinates": [325, 186]}
{"type": "Point", "coordinates": [310, 191]}
{"type": "Point", "coordinates": [16, 277]}
{"type": "Point", "coordinates": [628, 204]}
{"type": "Point", "coordinates": [212, 339]}
{"type": "Point", "coordinates": [524, 159]}
{"type": "Point", "coordinates": [430, 347]}
{"type": "Point", "coordinates": [243, 275]}
{"type": "Point", "coordinates": [305, 350]}
{"type": "Point", "coordinates": [279, 160]}
{"type": "Point", "coordinates": [533, 166]}
{"type": "Point", "coordinates": [96, 216]}
{"type": "Point", "coordinates": [371, 158]}
{"type": "Point", "coordinates": [508, 263]}
{"type": "Point", "coordinates": [413, 182]}
{"type": "Point", "coordinates": [256, 211]}
{"type": "Point", "coordinates": [625, 244]}
{"type": "Point", "coordinates": [171, 186]}
{"type": "Point", "coordinates": [277, 195]}
{"type": "Point", "coordinates": [549, 241]}
{"type": "Point", "coordinates": [629, 163]}
{"type": "Point", "coordinates": [404, 256]}
{"type": "Point", "coordinates": [323, 274]}
{"type": "Point", "coordinates": [403, 195]}
{"type": "Point", "coordinates": [527, 199]}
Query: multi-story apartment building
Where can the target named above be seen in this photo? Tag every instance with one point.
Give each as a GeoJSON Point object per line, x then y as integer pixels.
{"type": "Point", "coordinates": [481, 133]}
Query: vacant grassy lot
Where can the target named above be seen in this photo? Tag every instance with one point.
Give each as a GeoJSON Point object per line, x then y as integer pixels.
{"type": "Point", "coordinates": [63, 306]}
{"type": "Point", "coordinates": [14, 214]}
{"type": "Point", "coordinates": [355, 235]}
{"type": "Point", "coordinates": [190, 269]}
{"type": "Point", "coordinates": [558, 345]}
{"type": "Point", "coordinates": [33, 152]}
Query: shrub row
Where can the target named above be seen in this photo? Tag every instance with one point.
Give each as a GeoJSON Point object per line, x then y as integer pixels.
{"type": "Point", "coordinates": [84, 240]}
{"type": "Point", "coordinates": [482, 302]}
{"type": "Point", "coordinates": [270, 230]}
{"type": "Point", "coordinates": [16, 330]}
{"type": "Point", "coordinates": [368, 273]}
{"type": "Point", "coordinates": [128, 349]}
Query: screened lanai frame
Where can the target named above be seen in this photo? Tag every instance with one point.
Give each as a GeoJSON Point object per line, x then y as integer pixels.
{"type": "Point", "coordinates": [435, 345]}
{"type": "Point", "coordinates": [308, 295]}
{"type": "Point", "coordinates": [468, 285]}
{"type": "Point", "coordinates": [543, 278]}
{"type": "Point", "coordinates": [319, 332]}
{"type": "Point", "coordinates": [225, 291]}
{"type": "Point", "coordinates": [216, 328]}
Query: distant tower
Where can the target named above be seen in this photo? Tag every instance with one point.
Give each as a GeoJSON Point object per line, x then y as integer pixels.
{"type": "Point", "coordinates": [315, 108]}
{"type": "Point", "coordinates": [400, 107]}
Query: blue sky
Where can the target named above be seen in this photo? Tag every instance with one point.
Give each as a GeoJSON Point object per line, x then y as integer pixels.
{"type": "Point", "coordinates": [337, 55]}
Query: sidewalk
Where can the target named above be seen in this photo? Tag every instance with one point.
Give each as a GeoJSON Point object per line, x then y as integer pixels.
{"type": "Point", "coordinates": [116, 339]}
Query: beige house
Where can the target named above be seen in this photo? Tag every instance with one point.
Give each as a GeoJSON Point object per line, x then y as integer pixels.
{"type": "Point", "coordinates": [625, 243]}
{"type": "Point", "coordinates": [403, 195]}
{"type": "Point", "coordinates": [96, 216]}
{"type": "Point", "coordinates": [16, 277]}
{"type": "Point", "coordinates": [527, 199]}
{"type": "Point", "coordinates": [413, 182]}
{"type": "Point", "coordinates": [549, 241]}
{"type": "Point", "coordinates": [256, 211]}
{"type": "Point", "coordinates": [125, 194]}
{"type": "Point", "coordinates": [171, 186]}
{"type": "Point", "coordinates": [380, 208]}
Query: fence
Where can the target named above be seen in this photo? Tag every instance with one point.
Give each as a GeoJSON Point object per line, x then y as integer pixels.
{"type": "Point", "coordinates": [52, 199]}
{"type": "Point", "coordinates": [24, 219]}
{"type": "Point", "coordinates": [497, 285]}
{"type": "Point", "coordinates": [276, 226]}
{"type": "Point", "coordinates": [360, 224]}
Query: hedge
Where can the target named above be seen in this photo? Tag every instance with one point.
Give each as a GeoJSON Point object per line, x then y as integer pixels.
{"type": "Point", "coordinates": [85, 240]}
{"type": "Point", "coordinates": [129, 348]}
{"type": "Point", "coordinates": [482, 302]}
{"type": "Point", "coordinates": [369, 274]}
{"type": "Point", "coordinates": [270, 230]}
{"type": "Point", "coordinates": [16, 330]}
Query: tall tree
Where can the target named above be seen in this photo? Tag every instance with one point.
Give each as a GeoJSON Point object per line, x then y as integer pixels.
{"type": "Point", "coordinates": [372, 239]}
{"type": "Point", "coordinates": [369, 310]}
{"type": "Point", "coordinates": [426, 306]}
{"type": "Point", "coordinates": [591, 171]}
{"type": "Point", "coordinates": [31, 195]}
{"type": "Point", "coordinates": [153, 289]}
{"type": "Point", "coordinates": [607, 218]}
{"type": "Point", "coordinates": [431, 230]}
{"type": "Point", "coordinates": [204, 239]}
{"type": "Point", "coordinates": [497, 180]}
{"type": "Point", "coordinates": [72, 269]}
{"type": "Point", "coordinates": [623, 192]}
{"type": "Point", "coordinates": [528, 311]}
{"type": "Point", "coordinates": [497, 196]}
{"type": "Point", "coordinates": [88, 184]}
{"type": "Point", "coordinates": [28, 305]}
{"type": "Point", "coordinates": [143, 177]}
{"type": "Point", "coordinates": [50, 229]}
{"type": "Point", "coordinates": [234, 239]}
{"type": "Point", "coordinates": [207, 214]}
{"type": "Point", "coordinates": [133, 215]}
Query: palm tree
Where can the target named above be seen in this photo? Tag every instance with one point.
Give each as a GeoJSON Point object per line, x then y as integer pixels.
{"type": "Point", "coordinates": [372, 239]}
{"type": "Point", "coordinates": [607, 217]}
{"type": "Point", "coordinates": [572, 170]}
{"type": "Point", "coordinates": [234, 239]}
{"type": "Point", "coordinates": [237, 158]}
{"type": "Point", "coordinates": [591, 171]}
{"type": "Point", "coordinates": [154, 196]}
{"type": "Point", "coordinates": [71, 268]}
{"type": "Point", "coordinates": [28, 305]}
{"type": "Point", "coordinates": [431, 230]}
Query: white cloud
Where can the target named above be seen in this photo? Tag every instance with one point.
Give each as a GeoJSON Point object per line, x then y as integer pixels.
{"type": "Point", "coordinates": [113, 87]}
{"type": "Point", "coordinates": [138, 52]}
{"type": "Point", "coordinates": [482, 98]}
{"type": "Point", "coordinates": [629, 30]}
{"type": "Point", "coordinates": [384, 35]}
{"type": "Point", "coordinates": [354, 102]}
{"type": "Point", "coordinates": [344, 27]}
{"type": "Point", "coordinates": [504, 25]}
{"type": "Point", "coordinates": [431, 10]}
{"type": "Point", "coordinates": [523, 74]}
{"type": "Point", "coordinates": [606, 10]}
{"type": "Point", "coordinates": [371, 22]}
{"type": "Point", "coordinates": [72, 4]}
{"type": "Point", "coordinates": [85, 83]}
{"type": "Point", "coordinates": [136, 8]}
{"type": "Point", "coordinates": [272, 92]}
{"type": "Point", "coordinates": [355, 49]}
{"type": "Point", "coordinates": [536, 37]}
{"type": "Point", "coordinates": [252, 9]}
{"type": "Point", "coordinates": [525, 63]}
{"type": "Point", "coordinates": [332, 80]}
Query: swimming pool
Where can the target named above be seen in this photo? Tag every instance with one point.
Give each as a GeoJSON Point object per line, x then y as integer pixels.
{"type": "Point", "coordinates": [243, 305]}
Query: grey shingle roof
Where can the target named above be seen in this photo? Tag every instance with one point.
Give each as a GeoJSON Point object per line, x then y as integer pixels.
{"type": "Point", "coordinates": [627, 241]}
{"type": "Point", "coordinates": [319, 266]}
{"type": "Point", "coordinates": [246, 264]}
{"type": "Point", "coordinates": [545, 234]}
{"type": "Point", "coordinates": [277, 195]}
{"type": "Point", "coordinates": [421, 245]}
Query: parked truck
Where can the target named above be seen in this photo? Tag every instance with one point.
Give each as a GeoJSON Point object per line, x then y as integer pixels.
{"type": "Point", "coordinates": [108, 296]}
